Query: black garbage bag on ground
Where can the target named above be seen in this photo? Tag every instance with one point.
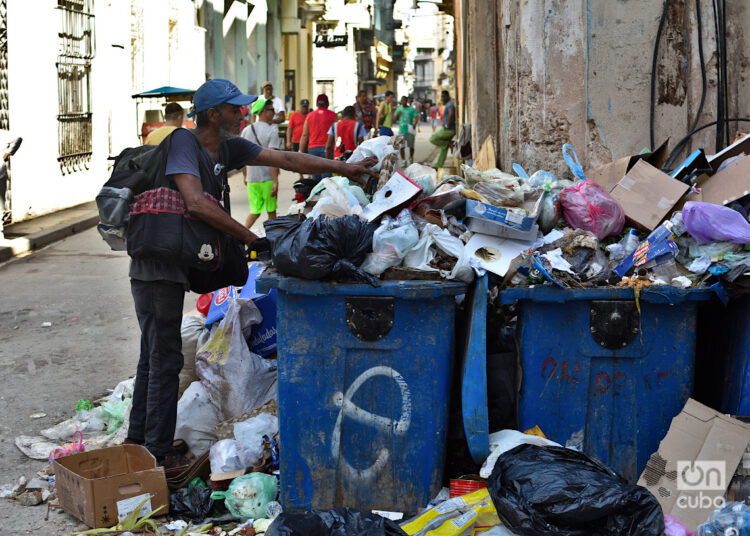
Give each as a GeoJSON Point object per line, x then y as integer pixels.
{"type": "Point", "coordinates": [560, 492]}
{"type": "Point", "coordinates": [191, 504]}
{"type": "Point", "coordinates": [336, 522]}
{"type": "Point", "coordinates": [321, 248]}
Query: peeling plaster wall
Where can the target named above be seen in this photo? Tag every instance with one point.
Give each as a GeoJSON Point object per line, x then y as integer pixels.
{"type": "Point", "coordinates": [579, 72]}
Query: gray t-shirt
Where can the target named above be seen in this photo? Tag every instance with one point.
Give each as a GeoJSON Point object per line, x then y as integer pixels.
{"type": "Point", "coordinates": [183, 158]}
{"type": "Point", "coordinates": [452, 125]}
{"type": "Point", "coordinates": [266, 136]}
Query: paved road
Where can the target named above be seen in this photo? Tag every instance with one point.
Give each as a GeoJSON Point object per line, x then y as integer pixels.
{"type": "Point", "coordinates": [82, 288]}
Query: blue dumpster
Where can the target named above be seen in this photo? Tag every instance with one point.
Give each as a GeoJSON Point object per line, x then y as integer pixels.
{"type": "Point", "coordinates": [736, 399]}
{"type": "Point", "coordinates": [600, 376]}
{"type": "Point", "coordinates": [364, 381]}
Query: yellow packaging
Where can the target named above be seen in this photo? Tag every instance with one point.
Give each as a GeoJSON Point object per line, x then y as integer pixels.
{"type": "Point", "coordinates": [454, 505]}
{"type": "Point", "coordinates": [461, 516]}
{"type": "Point", "coordinates": [536, 431]}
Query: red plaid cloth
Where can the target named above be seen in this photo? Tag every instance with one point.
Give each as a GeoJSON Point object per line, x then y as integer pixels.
{"type": "Point", "coordinates": [162, 200]}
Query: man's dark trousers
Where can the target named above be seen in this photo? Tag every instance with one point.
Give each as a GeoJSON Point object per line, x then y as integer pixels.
{"type": "Point", "coordinates": [158, 306]}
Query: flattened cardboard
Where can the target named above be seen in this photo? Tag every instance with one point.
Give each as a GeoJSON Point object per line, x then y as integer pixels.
{"type": "Point", "coordinates": [729, 184]}
{"type": "Point", "coordinates": [647, 195]}
{"type": "Point", "coordinates": [608, 175]}
{"type": "Point", "coordinates": [90, 484]}
{"type": "Point", "coordinates": [397, 191]}
{"type": "Point", "coordinates": [699, 434]}
{"type": "Point", "coordinates": [737, 148]}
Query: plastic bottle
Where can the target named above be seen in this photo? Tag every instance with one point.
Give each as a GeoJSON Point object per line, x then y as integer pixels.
{"type": "Point", "coordinates": [630, 242]}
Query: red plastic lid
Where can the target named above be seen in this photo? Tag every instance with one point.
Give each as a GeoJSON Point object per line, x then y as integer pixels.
{"type": "Point", "coordinates": [204, 303]}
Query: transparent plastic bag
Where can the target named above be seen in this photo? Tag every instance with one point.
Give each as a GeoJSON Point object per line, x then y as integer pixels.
{"type": "Point", "coordinates": [248, 496]}
{"type": "Point", "coordinates": [391, 242]}
{"type": "Point", "coordinates": [230, 455]}
{"type": "Point", "coordinates": [250, 434]}
{"type": "Point", "coordinates": [502, 192]}
{"type": "Point", "coordinates": [337, 203]}
{"type": "Point", "coordinates": [424, 176]}
{"type": "Point", "coordinates": [474, 176]}
{"type": "Point", "coordinates": [587, 206]}
{"type": "Point", "coordinates": [423, 253]}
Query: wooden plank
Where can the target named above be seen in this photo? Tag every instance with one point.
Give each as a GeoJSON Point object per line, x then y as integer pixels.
{"type": "Point", "coordinates": [486, 157]}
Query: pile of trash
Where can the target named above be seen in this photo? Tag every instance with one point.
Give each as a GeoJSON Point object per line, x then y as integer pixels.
{"type": "Point", "coordinates": [626, 224]}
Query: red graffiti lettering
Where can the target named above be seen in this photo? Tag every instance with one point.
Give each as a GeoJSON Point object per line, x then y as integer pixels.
{"type": "Point", "coordinates": [646, 382]}
{"type": "Point", "coordinates": [549, 367]}
{"type": "Point", "coordinates": [602, 382]}
{"type": "Point", "coordinates": [661, 376]}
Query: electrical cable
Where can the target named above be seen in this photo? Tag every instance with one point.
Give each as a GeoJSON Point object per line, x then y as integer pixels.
{"type": "Point", "coordinates": [684, 140]}
{"type": "Point", "coordinates": [654, 66]}
{"type": "Point", "coordinates": [704, 77]}
{"type": "Point", "coordinates": [724, 67]}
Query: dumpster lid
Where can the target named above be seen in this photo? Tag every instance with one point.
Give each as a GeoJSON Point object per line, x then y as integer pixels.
{"type": "Point", "coordinates": [661, 294]}
{"type": "Point", "coordinates": [398, 289]}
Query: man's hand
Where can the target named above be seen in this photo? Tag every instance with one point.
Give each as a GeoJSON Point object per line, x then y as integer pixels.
{"type": "Point", "coordinates": [289, 145]}
{"type": "Point", "coordinates": [249, 238]}
{"type": "Point", "coordinates": [275, 188]}
{"type": "Point", "coordinates": [355, 170]}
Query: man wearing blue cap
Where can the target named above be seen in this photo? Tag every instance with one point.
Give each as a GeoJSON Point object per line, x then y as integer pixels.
{"type": "Point", "coordinates": [159, 287]}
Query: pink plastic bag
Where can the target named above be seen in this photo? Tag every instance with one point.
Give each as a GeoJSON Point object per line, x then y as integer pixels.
{"type": "Point", "coordinates": [587, 206]}
{"type": "Point", "coordinates": [672, 527]}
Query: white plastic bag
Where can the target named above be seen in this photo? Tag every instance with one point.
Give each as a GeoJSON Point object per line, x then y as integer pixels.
{"type": "Point", "coordinates": [424, 176]}
{"type": "Point", "coordinates": [503, 441]}
{"type": "Point", "coordinates": [337, 203]}
{"type": "Point", "coordinates": [391, 242]}
{"type": "Point", "coordinates": [250, 433]}
{"type": "Point", "coordinates": [194, 335]}
{"type": "Point", "coordinates": [378, 147]}
{"type": "Point", "coordinates": [229, 455]}
{"type": "Point", "coordinates": [423, 253]}
{"type": "Point", "coordinates": [196, 419]}
{"type": "Point", "coordinates": [236, 380]}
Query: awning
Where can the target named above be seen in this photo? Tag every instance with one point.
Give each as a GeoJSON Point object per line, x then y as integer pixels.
{"type": "Point", "coordinates": [169, 92]}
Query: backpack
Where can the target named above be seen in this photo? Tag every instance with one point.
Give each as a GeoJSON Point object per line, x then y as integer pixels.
{"type": "Point", "coordinates": [133, 173]}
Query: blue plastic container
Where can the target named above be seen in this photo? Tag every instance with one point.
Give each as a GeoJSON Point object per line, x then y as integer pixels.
{"type": "Point", "coordinates": [736, 400]}
{"type": "Point", "coordinates": [364, 382]}
{"type": "Point", "coordinates": [601, 377]}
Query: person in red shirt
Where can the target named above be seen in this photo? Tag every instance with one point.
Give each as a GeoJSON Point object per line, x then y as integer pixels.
{"type": "Point", "coordinates": [348, 131]}
{"type": "Point", "coordinates": [296, 125]}
{"type": "Point", "coordinates": [315, 132]}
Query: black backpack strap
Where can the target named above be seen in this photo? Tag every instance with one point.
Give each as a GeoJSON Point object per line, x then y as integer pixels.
{"type": "Point", "coordinates": [224, 161]}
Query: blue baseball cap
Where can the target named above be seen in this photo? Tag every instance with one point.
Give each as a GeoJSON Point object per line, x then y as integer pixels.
{"type": "Point", "coordinates": [218, 91]}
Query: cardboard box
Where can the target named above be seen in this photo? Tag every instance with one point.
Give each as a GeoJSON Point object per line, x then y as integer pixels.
{"type": "Point", "coordinates": [702, 449]}
{"type": "Point", "coordinates": [608, 175]}
{"type": "Point", "coordinates": [647, 195]}
{"type": "Point", "coordinates": [504, 216]}
{"type": "Point", "coordinates": [488, 227]}
{"type": "Point", "coordinates": [737, 148]}
{"type": "Point", "coordinates": [103, 486]}
{"type": "Point", "coordinates": [729, 184]}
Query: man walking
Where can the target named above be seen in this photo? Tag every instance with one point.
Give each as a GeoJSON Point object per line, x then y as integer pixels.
{"type": "Point", "coordinates": [407, 121]}
{"type": "Point", "coordinates": [315, 132]}
{"type": "Point", "coordinates": [348, 131]}
{"type": "Point", "coordinates": [296, 126]}
{"type": "Point", "coordinates": [262, 181]}
{"type": "Point", "coordinates": [364, 110]}
{"type": "Point", "coordinates": [173, 116]}
{"type": "Point", "coordinates": [159, 286]}
{"type": "Point", "coordinates": [385, 115]}
{"type": "Point", "coordinates": [278, 105]}
{"type": "Point", "coordinates": [443, 137]}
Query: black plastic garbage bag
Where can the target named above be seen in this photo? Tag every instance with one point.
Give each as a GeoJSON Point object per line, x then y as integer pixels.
{"type": "Point", "coordinates": [561, 492]}
{"type": "Point", "coordinates": [336, 522]}
{"type": "Point", "coordinates": [321, 248]}
{"type": "Point", "coordinates": [191, 504]}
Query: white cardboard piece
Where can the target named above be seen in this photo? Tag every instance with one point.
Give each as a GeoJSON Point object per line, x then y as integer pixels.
{"type": "Point", "coordinates": [397, 191]}
{"type": "Point", "coordinates": [497, 253]}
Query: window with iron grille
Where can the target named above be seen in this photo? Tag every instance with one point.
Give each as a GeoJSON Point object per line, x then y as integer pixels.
{"type": "Point", "coordinates": [76, 50]}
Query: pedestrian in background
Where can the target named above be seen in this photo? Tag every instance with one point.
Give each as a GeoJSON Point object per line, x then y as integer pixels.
{"type": "Point", "coordinates": [262, 181]}
{"type": "Point", "coordinates": [407, 117]}
{"type": "Point", "coordinates": [173, 117]}
{"type": "Point", "coordinates": [434, 115]}
{"type": "Point", "coordinates": [385, 115]}
{"type": "Point", "coordinates": [315, 132]}
{"type": "Point", "coordinates": [278, 105]}
{"type": "Point", "coordinates": [296, 126]}
{"type": "Point", "coordinates": [444, 136]}
{"type": "Point", "coordinates": [11, 146]}
{"type": "Point", "coordinates": [345, 134]}
{"type": "Point", "coordinates": [364, 110]}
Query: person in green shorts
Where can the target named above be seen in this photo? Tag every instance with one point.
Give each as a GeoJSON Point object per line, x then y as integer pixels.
{"type": "Point", "coordinates": [407, 117]}
{"type": "Point", "coordinates": [444, 136]}
{"type": "Point", "coordinates": [262, 182]}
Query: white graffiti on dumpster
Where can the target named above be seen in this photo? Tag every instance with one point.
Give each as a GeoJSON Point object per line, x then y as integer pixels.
{"type": "Point", "coordinates": [352, 411]}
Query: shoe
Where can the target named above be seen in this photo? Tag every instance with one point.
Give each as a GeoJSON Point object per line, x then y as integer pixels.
{"type": "Point", "coordinates": [172, 461]}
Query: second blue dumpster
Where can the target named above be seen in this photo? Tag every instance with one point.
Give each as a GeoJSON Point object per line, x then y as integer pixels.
{"type": "Point", "coordinates": [364, 382]}
{"type": "Point", "coordinates": [603, 373]}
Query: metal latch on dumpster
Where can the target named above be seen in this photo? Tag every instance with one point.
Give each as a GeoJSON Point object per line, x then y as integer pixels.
{"type": "Point", "coordinates": [613, 324]}
{"type": "Point", "coordinates": [369, 319]}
